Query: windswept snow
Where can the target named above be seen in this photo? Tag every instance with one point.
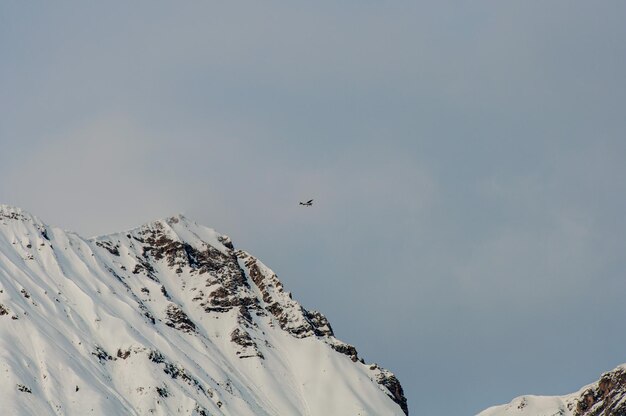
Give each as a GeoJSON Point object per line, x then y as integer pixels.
{"type": "Point", "coordinates": [165, 319]}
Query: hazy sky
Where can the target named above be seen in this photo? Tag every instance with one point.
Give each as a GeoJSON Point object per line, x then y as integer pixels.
{"type": "Point", "coordinates": [467, 159]}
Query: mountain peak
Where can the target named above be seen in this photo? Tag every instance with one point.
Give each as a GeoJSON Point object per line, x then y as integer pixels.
{"type": "Point", "coordinates": [173, 219]}
{"type": "Point", "coordinates": [16, 213]}
{"type": "Point", "coordinates": [166, 318]}
{"type": "Point", "coordinates": [605, 397]}
{"type": "Point", "coordinates": [176, 228]}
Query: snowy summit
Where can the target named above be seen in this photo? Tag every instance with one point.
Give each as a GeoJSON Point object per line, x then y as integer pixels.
{"type": "Point", "coordinates": [605, 397]}
{"type": "Point", "coordinates": [165, 319]}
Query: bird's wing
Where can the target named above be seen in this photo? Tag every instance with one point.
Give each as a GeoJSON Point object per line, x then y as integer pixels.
{"type": "Point", "coordinates": [309, 201]}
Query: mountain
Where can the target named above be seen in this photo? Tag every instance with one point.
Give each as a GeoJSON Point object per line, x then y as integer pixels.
{"type": "Point", "coordinates": [165, 319]}
{"type": "Point", "coordinates": [605, 397]}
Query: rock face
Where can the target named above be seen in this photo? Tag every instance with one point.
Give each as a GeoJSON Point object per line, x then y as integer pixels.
{"type": "Point", "coordinates": [606, 397]}
{"type": "Point", "coordinates": [168, 318]}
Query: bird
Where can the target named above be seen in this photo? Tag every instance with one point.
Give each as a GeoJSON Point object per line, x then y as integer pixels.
{"type": "Point", "coordinates": [307, 203]}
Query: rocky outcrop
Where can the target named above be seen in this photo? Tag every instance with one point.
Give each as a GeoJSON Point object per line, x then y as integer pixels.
{"type": "Point", "coordinates": [224, 278]}
{"type": "Point", "coordinates": [291, 316]}
{"type": "Point", "coordinates": [301, 323]}
{"type": "Point", "coordinates": [247, 347]}
{"type": "Point", "coordinates": [177, 318]}
{"type": "Point", "coordinates": [607, 397]}
{"type": "Point", "coordinates": [387, 379]}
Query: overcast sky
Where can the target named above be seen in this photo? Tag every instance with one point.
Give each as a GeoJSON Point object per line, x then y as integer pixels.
{"type": "Point", "coordinates": [467, 160]}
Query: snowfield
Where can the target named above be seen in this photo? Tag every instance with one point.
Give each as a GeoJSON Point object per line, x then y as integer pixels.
{"type": "Point", "coordinates": [166, 319]}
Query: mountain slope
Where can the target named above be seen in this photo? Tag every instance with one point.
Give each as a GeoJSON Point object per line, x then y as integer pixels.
{"type": "Point", "coordinates": [606, 397]}
{"type": "Point", "coordinates": [165, 319]}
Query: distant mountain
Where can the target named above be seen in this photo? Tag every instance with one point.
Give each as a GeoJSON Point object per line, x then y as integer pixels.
{"type": "Point", "coordinates": [605, 397]}
{"type": "Point", "coordinates": [165, 319]}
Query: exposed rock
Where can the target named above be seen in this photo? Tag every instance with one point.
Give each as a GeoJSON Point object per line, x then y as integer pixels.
{"type": "Point", "coordinates": [299, 322]}
{"type": "Point", "coordinates": [291, 316]}
{"type": "Point", "coordinates": [178, 319]}
{"type": "Point", "coordinates": [123, 354]}
{"type": "Point", "coordinates": [110, 247]}
{"type": "Point", "coordinates": [23, 388]}
{"type": "Point", "coordinates": [346, 349]}
{"type": "Point", "coordinates": [200, 411]}
{"type": "Point", "coordinates": [320, 324]}
{"type": "Point", "coordinates": [13, 213]}
{"type": "Point", "coordinates": [387, 379]}
{"type": "Point", "coordinates": [162, 391]}
{"type": "Point", "coordinates": [164, 292]}
{"type": "Point", "coordinates": [143, 266]}
{"type": "Point", "coordinates": [101, 354]}
{"type": "Point", "coordinates": [248, 348]}
{"type": "Point", "coordinates": [605, 398]}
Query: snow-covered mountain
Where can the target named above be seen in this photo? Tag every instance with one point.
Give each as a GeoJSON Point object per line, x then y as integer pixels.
{"type": "Point", "coordinates": [605, 397]}
{"type": "Point", "coordinates": [165, 319]}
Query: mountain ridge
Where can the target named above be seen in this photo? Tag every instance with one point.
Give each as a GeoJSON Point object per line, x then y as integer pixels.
{"type": "Point", "coordinates": [604, 397]}
{"type": "Point", "coordinates": [202, 327]}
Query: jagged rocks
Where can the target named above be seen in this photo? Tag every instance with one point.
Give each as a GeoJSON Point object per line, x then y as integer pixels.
{"type": "Point", "coordinates": [165, 293]}
{"type": "Point", "coordinates": [200, 411]}
{"type": "Point", "coordinates": [291, 316]}
{"type": "Point", "coordinates": [178, 319]}
{"type": "Point", "coordinates": [346, 349]}
{"type": "Point", "coordinates": [156, 357]}
{"type": "Point", "coordinates": [300, 323]}
{"type": "Point", "coordinates": [320, 324]}
{"type": "Point", "coordinates": [223, 300]}
{"type": "Point", "coordinates": [3, 310]}
{"type": "Point", "coordinates": [173, 370]}
{"type": "Point", "coordinates": [162, 391]}
{"type": "Point", "coordinates": [606, 398]}
{"type": "Point", "coordinates": [143, 266]}
{"type": "Point", "coordinates": [387, 379]}
{"type": "Point", "coordinates": [12, 213]}
{"type": "Point", "coordinates": [101, 354]}
{"type": "Point", "coordinates": [242, 338]}
{"type": "Point", "coordinates": [110, 247]}
{"type": "Point", "coordinates": [179, 254]}
{"type": "Point", "coordinates": [24, 389]}
{"type": "Point", "coordinates": [247, 347]}
{"type": "Point", "coordinates": [221, 270]}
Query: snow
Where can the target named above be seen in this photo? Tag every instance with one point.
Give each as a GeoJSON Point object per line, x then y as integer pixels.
{"type": "Point", "coordinates": [532, 405]}
{"type": "Point", "coordinates": [79, 332]}
{"type": "Point", "coordinates": [605, 396]}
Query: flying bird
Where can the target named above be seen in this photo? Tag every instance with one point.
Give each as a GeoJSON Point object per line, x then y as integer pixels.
{"type": "Point", "coordinates": [307, 203]}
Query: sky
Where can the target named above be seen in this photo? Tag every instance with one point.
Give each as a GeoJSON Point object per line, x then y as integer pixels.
{"type": "Point", "coordinates": [467, 161]}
